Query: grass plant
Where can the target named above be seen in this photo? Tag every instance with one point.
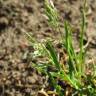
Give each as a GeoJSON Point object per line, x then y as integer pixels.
{"type": "Point", "coordinates": [73, 77]}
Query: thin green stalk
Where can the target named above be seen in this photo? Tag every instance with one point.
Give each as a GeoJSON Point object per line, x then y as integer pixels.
{"type": "Point", "coordinates": [83, 27]}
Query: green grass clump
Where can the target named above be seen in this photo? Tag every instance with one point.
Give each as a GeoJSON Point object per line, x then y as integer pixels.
{"type": "Point", "coordinates": [71, 80]}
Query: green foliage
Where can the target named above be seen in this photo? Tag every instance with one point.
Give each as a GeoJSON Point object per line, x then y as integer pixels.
{"type": "Point", "coordinates": [76, 77]}
{"type": "Point", "coordinates": [53, 54]}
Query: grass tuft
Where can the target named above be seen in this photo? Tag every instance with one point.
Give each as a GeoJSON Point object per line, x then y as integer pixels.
{"type": "Point", "coordinates": [75, 78]}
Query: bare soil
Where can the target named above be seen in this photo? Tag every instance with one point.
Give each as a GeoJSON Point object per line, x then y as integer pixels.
{"type": "Point", "coordinates": [17, 77]}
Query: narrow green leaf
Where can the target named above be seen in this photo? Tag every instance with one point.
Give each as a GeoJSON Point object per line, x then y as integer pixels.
{"type": "Point", "coordinates": [53, 54]}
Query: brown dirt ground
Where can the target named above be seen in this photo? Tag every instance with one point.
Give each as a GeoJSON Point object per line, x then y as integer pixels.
{"type": "Point", "coordinates": [17, 77]}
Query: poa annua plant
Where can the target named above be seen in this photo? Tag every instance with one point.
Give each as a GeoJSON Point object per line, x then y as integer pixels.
{"type": "Point", "coordinates": [75, 76]}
